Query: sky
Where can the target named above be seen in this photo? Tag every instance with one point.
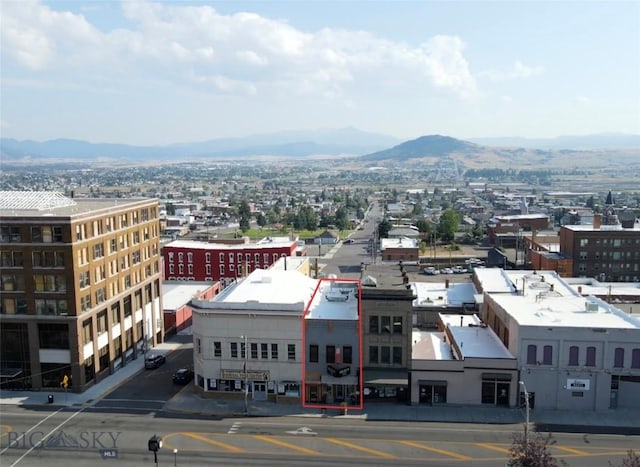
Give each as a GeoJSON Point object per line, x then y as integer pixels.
{"type": "Point", "coordinates": [153, 73]}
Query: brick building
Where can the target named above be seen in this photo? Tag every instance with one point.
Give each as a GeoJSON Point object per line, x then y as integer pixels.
{"type": "Point", "coordinates": [80, 291]}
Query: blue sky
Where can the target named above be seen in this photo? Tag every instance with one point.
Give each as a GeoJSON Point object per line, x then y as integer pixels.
{"type": "Point", "coordinates": [164, 72]}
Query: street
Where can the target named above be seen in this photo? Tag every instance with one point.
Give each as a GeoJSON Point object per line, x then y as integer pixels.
{"type": "Point", "coordinates": [32, 437]}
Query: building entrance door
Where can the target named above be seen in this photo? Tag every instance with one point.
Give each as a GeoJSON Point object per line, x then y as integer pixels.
{"type": "Point", "coordinates": [259, 391]}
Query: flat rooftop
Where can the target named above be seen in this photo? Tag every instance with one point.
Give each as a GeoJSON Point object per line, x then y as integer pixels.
{"type": "Point", "coordinates": [265, 290]}
{"type": "Point", "coordinates": [542, 298]}
{"type": "Point", "coordinates": [197, 245]}
{"type": "Point", "coordinates": [603, 228]}
{"type": "Point", "coordinates": [335, 300]}
{"type": "Point", "coordinates": [179, 293]}
{"type": "Point", "coordinates": [433, 294]}
{"type": "Point", "coordinates": [430, 346]}
{"type": "Point", "coordinates": [403, 242]}
{"type": "Point", "coordinates": [54, 204]}
{"type": "Point", "coordinates": [472, 338]}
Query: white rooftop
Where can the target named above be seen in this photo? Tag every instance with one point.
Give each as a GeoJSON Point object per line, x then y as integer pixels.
{"type": "Point", "coordinates": [430, 346]}
{"type": "Point", "coordinates": [432, 294]}
{"type": "Point", "coordinates": [266, 290]}
{"type": "Point", "coordinates": [195, 245]}
{"type": "Point", "coordinates": [33, 200]}
{"type": "Point", "coordinates": [334, 300]}
{"type": "Point", "coordinates": [472, 338]}
{"type": "Point", "coordinates": [615, 227]}
{"type": "Point", "coordinates": [178, 293]}
{"type": "Point", "coordinates": [402, 242]}
{"type": "Point", "coordinates": [542, 298]}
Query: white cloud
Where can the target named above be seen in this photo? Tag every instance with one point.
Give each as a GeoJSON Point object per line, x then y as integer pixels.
{"type": "Point", "coordinates": [516, 71]}
{"type": "Point", "coordinates": [237, 53]}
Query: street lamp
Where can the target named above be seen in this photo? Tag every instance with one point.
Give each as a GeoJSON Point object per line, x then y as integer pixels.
{"type": "Point", "coordinates": [526, 426]}
{"type": "Point", "coordinates": [175, 457]}
{"type": "Point", "coordinates": [246, 376]}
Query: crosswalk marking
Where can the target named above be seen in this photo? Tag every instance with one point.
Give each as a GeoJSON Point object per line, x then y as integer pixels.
{"type": "Point", "coordinates": [374, 452]}
{"type": "Point", "coordinates": [283, 444]}
{"type": "Point", "coordinates": [213, 442]}
{"type": "Point", "coordinates": [234, 428]}
{"type": "Point", "coordinates": [444, 452]}
{"type": "Point", "coordinates": [493, 447]}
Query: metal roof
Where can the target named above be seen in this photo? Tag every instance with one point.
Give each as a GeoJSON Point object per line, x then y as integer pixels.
{"type": "Point", "coordinates": [33, 200]}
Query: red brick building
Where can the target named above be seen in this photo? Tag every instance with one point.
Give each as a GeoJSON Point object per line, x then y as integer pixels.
{"type": "Point", "coordinates": [202, 261]}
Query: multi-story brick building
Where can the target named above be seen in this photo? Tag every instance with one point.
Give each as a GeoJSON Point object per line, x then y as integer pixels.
{"type": "Point", "coordinates": [224, 262]}
{"type": "Point", "coordinates": [80, 287]}
{"type": "Point", "coordinates": [605, 250]}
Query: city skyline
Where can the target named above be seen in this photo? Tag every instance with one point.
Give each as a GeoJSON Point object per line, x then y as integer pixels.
{"type": "Point", "coordinates": [167, 72]}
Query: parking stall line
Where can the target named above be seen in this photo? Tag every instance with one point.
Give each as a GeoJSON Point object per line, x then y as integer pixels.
{"type": "Point", "coordinates": [373, 452]}
{"type": "Point", "coordinates": [283, 444]}
{"type": "Point", "coordinates": [493, 447]}
{"type": "Point", "coordinates": [212, 442]}
{"type": "Point", "coordinates": [444, 452]}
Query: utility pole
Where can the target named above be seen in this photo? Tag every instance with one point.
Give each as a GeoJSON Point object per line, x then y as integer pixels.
{"type": "Point", "coordinates": [526, 426]}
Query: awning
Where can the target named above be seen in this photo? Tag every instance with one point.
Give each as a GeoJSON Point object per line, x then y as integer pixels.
{"type": "Point", "coordinates": [431, 382]}
{"type": "Point", "coordinates": [348, 380]}
{"type": "Point", "coordinates": [497, 376]}
{"type": "Point", "coordinates": [386, 377]}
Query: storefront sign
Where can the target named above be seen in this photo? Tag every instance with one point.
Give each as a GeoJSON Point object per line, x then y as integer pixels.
{"type": "Point", "coordinates": [240, 375]}
{"type": "Point", "coordinates": [578, 384]}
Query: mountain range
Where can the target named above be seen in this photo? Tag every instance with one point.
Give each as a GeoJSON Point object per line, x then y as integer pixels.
{"type": "Point", "coordinates": [326, 142]}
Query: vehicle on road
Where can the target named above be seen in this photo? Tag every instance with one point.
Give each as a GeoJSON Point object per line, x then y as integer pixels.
{"type": "Point", "coordinates": [154, 361]}
{"type": "Point", "coordinates": [431, 271]}
{"type": "Point", "coordinates": [183, 376]}
{"type": "Point", "coordinates": [348, 241]}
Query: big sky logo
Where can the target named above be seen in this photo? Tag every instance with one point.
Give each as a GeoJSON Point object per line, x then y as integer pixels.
{"type": "Point", "coordinates": [63, 440]}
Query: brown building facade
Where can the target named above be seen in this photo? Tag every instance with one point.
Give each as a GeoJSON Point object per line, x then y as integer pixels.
{"type": "Point", "coordinates": [80, 291]}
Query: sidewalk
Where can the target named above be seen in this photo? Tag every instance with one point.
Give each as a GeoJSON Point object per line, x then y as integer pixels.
{"type": "Point", "coordinates": [93, 394]}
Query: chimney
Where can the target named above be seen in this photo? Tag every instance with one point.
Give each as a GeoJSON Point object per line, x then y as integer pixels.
{"type": "Point", "coordinates": [597, 221]}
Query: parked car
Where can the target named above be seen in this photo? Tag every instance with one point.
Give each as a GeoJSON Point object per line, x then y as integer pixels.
{"type": "Point", "coordinates": [183, 376]}
{"type": "Point", "coordinates": [154, 361]}
{"type": "Point", "coordinates": [446, 271]}
{"type": "Point", "coordinates": [431, 271]}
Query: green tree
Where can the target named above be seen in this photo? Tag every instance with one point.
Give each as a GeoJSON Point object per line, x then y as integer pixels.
{"type": "Point", "coordinates": [383, 228]}
{"type": "Point", "coordinates": [261, 220]}
{"type": "Point", "coordinates": [424, 226]}
{"type": "Point", "coordinates": [448, 225]}
{"type": "Point", "coordinates": [244, 224]}
{"type": "Point", "coordinates": [417, 210]}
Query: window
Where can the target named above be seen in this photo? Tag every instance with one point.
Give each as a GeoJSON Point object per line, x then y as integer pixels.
{"type": "Point", "coordinates": [198, 346]}
{"type": "Point", "coordinates": [101, 295]}
{"type": "Point", "coordinates": [181, 257]}
{"type": "Point", "coordinates": [591, 356]}
{"type": "Point", "coordinates": [347, 354]}
{"type": "Point", "coordinates": [234, 350]}
{"type": "Point", "coordinates": [47, 259]}
{"type": "Point", "coordinates": [397, 355]}
{"type": "Point", "coordinates": [10, 234]}
{"type": "Point", "coordinates": [574, 355]}
{"type": "Point", "coordinates": [373, 354]}
{"type": "Point", "coordinates": [190, 257]}
{"type": "Point", "coordinates": [547, 355]}
{"type": "Point", "coordinates": [243, 350]}
{"type": "Point", "coordinates": [207, 257]}
{"type": "Point", "coordinates": [385, 324]}
{"type": "Point", "coordinates": [50, 283]}
{"type": "Point", "coordinates": [113, 246]}
{"type": "Point", "coordinates": [115, 313]}
{"type": "Point", "coordinates": [11, 282]}
{"type": "Point", "coordinates": [313, 353]}
{"type": "Point", "coordinates": [291, 351]}
{"type": "Point", "coordinates": [618, 358]}
{"type": "Point", "coordinates": [274, 351]}
{"type": "Point", "coordinates": [53, 336]}
{"type": "Point", "coordinates": [208, 269]}
{"type": "Point", "coordinates": [254, 351]}
{"type": "Point", "coordinates": [190, 268]}
{"type": "Point", "coordinates": [584, 242]}
{"type": "Point", "coordinates": [171, 256]}
{"type": "Point", "coordinates": [98, 250]}
{"type": "Point", "coordinates": [330, 354]}
{"type": "Point", "coordinates": [217, 349]}
{"type": "Point", "coordinates": [532, 352]}
{"type": "Point", "coordinates": [264, 351]}
{"type": "Point", "coordinates": [635, 358]}
{"type": "Point", "coordinates": [373, 325]}
{"type": "Point", "coordinates": [221, 257]}
{"type": "Point", "coordinates": [257, 258]}
{"type": "Point", "coordinates": [135, 238]}
{"type": "Point", "coordinates": [397, 325]}
{"type": "Point", "coordinates": [385, 354]}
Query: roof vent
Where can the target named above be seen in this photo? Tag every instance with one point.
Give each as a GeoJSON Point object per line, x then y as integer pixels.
{"type": "Point", "coordinates": [591, 307]}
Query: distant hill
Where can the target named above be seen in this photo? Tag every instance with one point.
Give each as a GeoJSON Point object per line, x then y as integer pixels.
{"type": "Point", "coordinates": [425, 146]}
{"type": "Point", "coordinates": [597, 141]}
{"type": "Point", "coordinates": [289, 143]}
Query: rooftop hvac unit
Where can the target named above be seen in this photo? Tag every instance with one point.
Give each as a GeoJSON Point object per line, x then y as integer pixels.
{"type": "Point", "coordinates": [591, 307]}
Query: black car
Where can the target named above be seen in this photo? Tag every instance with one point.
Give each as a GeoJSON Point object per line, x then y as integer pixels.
{"type": "Point", "coordinates": [183, 376]}
{"type": "Point", "coordinates": [154, 361]}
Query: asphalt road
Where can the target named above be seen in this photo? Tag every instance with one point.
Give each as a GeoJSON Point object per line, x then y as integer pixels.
{"type": "Point", "coordinates": [149, 390]}
{"type": "Point", "coordinates": [79, 437]}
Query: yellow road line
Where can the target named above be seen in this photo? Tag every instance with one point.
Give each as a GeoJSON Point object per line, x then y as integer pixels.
{"type": "Point", "coordinates": [444, 452]}
{"type": "Point", "coordinates": [277, 442]}
{"type": "Point", "coordinates": [572, 450]}
{"type": "Point", "coordinates": [6, 430]}
{"type": "Point", "coordinates": [213, 442]}
{"type": "Point", "coordinates": [493, 447]}
{"type": "Point", "coordinates": [374, 452]}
